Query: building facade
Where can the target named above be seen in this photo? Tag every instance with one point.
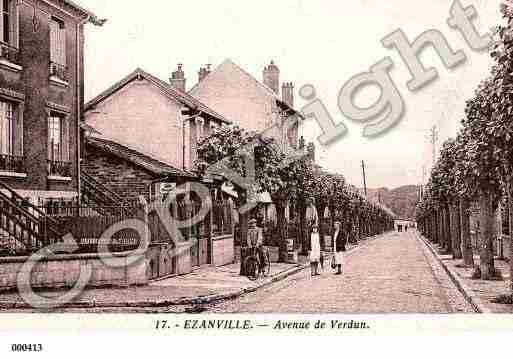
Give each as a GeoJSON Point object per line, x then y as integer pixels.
{"type": "Point", "coordinates": [154, 117]}
{"type": "Point", "coordinates": [41, 96]}
{"type": "Point", "coordinates": [251, 104]}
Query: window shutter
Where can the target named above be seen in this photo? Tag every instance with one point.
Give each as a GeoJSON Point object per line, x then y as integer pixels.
{"type": "Point", "coordinates": [49, 123]}
{"type": "Point", "coordinates": [62, 44]}
{"type": "Point", "coordinates": [65, 139]}
{"type": "Point", "coordinates": [54, 38]}
{"type": "Point", "coordinates": [15, 24]}
{"type": "Point", "coordinates": [2, 21]}
{"type": "Point", "coordinates": [18, 130]}
{"type": "Point", "coordinates": [3, 129]}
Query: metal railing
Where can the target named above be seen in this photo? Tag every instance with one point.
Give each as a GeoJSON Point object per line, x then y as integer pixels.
{"type": "Point", "coordinates": [59, 168]}
{"type": "Point", "coordinates": [9, 53]}
{"type": "Point", "coordinates": [24, 227]}
{"type": "Point", "coordinates": [59, 71]}
{"type": "Point", "coordinates": [10, 163]}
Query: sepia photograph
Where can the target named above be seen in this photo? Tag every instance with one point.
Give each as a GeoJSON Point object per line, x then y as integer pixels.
{"type": "Point", "coordinates": [294, 165]}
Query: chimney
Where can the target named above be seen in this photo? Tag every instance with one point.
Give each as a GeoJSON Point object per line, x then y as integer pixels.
{"type": "Point", "coordinates": [272, 77]}
{"type": "Point", "coordinates": [287, 93]}
{"type": "Point", "coordinates": [203, 72]}
{"type": "Point", "coordinates": [178, 79]}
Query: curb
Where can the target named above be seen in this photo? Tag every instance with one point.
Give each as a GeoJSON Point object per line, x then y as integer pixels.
{"type": "Point", "coordinates": [185, 301]}
{"type": "Point", "coordinates": [467, 293]}
{"type": "Point", "coordinates": [167, 303]}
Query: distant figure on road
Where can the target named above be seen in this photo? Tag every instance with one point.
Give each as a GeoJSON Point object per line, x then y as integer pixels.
{"type": "Point", "coordinates": [315, 250]}
{"type": "Point", "coordinates": [339, 247]}
{"type": "Point", "coordinates": [399, 228]}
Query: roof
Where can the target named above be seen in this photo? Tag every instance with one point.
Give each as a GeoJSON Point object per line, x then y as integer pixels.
{"type": "Point", "coordinates": [149, 163]}
{"type": "Point", "coordinates": [266, 89]}
{"type": "Point", "coordinates": [168, 90]}
{"type": "Point", "coordinates": [92, 17]}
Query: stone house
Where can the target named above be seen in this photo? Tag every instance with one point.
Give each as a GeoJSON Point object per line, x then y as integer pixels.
{"type": "Point", "coordinates": [154, 117]}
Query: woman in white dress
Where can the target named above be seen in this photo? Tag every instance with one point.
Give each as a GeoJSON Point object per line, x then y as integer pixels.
{"type": "Point", "coordinates": [315, 250]}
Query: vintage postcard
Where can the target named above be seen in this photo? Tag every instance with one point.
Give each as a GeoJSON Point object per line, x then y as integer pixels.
{"type": "Point", "coordinates": [264, 167]}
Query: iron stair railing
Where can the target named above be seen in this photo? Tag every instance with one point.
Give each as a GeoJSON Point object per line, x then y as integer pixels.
{"type": "Point", "coordinates": [101, 197]}
{"type": "Point", "coordinates": [24, 228]}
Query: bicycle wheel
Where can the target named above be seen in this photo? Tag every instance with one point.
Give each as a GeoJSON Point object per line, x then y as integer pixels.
{"type": "Point", "coordinates": [266, 267]}
{"type": "Point", "coordinates": [251, 266]}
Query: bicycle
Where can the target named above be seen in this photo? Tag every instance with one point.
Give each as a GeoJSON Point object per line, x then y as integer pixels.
{"type": "Point", "coordinates": [253, 266]}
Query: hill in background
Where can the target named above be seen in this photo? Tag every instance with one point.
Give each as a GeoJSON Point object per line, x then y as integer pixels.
{"type": "Point", "coordinates": [402, 200]}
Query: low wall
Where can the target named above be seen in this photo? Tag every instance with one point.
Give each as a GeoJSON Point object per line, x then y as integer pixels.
{"type": "Point", "coordinates": [62, 271]}
{"type": "Point", "coordinates": [223, 250]}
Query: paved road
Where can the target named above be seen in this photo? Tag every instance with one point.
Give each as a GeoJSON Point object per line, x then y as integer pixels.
{"type": "Point", "coordinates": [392, 274]}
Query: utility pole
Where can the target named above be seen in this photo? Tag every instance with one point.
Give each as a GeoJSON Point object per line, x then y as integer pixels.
{"type": "Point", "coordinates": [433, 138]}
{"type": "Point", "coordinates": [364, 178]}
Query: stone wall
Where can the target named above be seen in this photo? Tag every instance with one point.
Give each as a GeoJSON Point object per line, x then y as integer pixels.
{"type": "Point", "coordinates": [62, 271]}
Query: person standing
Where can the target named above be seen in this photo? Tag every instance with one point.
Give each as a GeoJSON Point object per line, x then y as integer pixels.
{"type": "Point", "coordinates": [339, 247]}
{"type": "Point", "coordinates": [315, 250]}
{"type": "Point", "coordinates": [255, 238]}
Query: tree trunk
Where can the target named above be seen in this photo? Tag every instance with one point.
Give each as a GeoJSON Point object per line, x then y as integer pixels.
{"type": "Point", "coordinates": [447, 229]}
{"type": "Point", "coordinates": [441, 229]}
{"type": "Point", "coordinates": [487, 228]}
{"type": "Point", "coordinates": [322, 235]}
{"type": "Point", "coordinates": [243, 224]}
{"type": "Point", "coordinates": [455, 231]}
{"type": "Point", "coordinates": [436, 228]}
{"type": "Point", "coordinates": [280, 214]}
{"type": "Point", "coordinates": [302, 229]}
{"type": "Point", "coordinates": [466, 241]}
{"type": "Point", "coordinates": [509, 187]}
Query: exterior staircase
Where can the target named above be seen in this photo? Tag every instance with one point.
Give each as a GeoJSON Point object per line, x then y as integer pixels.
{"type": "Point", "coordinates": [106, 202]}
{"type": "Point", "coordinates": [24, 228]}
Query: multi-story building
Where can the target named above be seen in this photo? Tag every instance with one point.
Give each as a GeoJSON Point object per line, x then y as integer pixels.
{"type": "Point", "coordinates": [41, 96]}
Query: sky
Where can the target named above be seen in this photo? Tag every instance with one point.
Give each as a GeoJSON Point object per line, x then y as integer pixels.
{"type": "Point", "coordinates": [317, 42]}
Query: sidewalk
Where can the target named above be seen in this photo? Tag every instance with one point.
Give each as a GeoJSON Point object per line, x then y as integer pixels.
{"type": "Point", "coordinates": [205, 285]}
{"type": "Point", "coordinates": [479, 292]}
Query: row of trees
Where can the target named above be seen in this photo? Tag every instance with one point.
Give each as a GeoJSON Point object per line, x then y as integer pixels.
{"type": "Point", "coordinates": [477, 165]}
{"type": "Point", "coordinates": [231, 152]}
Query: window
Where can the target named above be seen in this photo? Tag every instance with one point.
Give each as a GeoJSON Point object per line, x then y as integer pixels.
{"type": "Point", "coordinates": [11, 129]}
{"type": "Point", "coordinates": [11, 137]}
{"type": "Point", "coordinates": [58, 138]}
{"type": "Point", "coordinates": [57, 42]}
{"type": "Point", "coordinates": [6, 128]}
{"type": "Point", "coordinates": [9, 22]}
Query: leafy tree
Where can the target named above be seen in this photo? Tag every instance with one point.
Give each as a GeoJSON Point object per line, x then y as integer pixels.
{"type": "Point", "coordinates": [233, 153]}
